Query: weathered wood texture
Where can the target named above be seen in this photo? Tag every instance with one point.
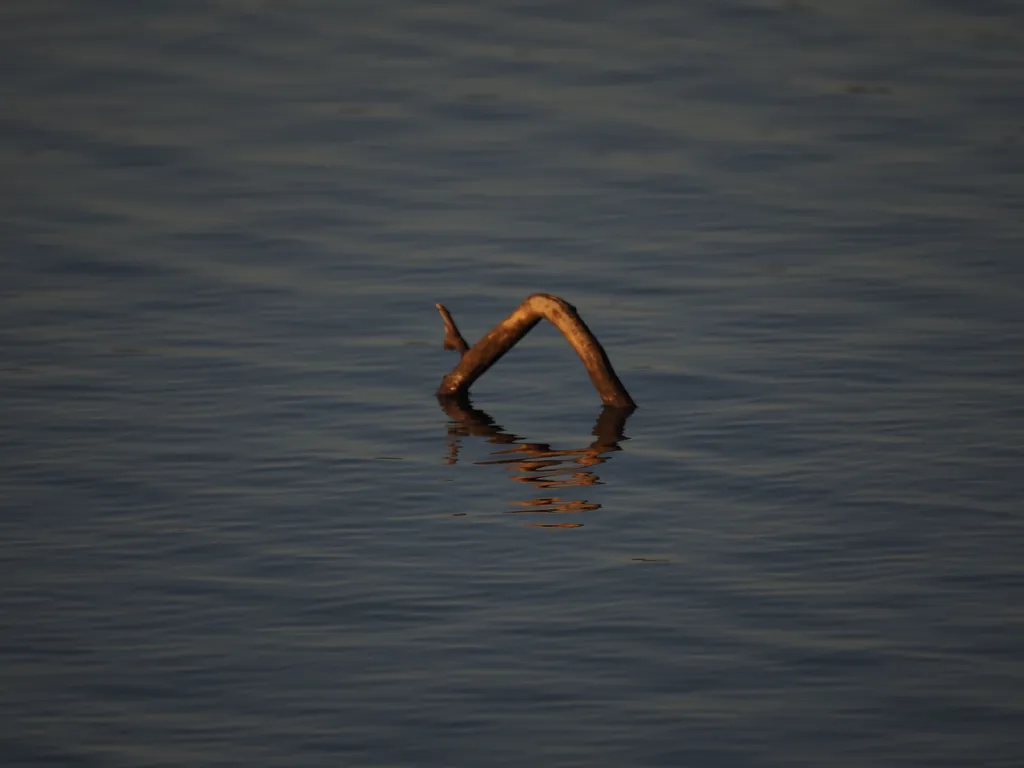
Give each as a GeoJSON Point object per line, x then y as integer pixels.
{"type": "Point", "coordinates": [476, 360]}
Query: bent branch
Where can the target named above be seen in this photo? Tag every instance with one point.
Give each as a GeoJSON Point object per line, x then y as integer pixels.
{"type": "Point", "coordinates": [476, 360]}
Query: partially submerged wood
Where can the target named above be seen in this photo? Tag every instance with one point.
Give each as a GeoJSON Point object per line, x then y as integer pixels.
{"type": "Point", "coordinates": [476, 360]}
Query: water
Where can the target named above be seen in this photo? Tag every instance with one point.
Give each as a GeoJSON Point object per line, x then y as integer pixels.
{"type": "Point", "coordinates": [237, 527]}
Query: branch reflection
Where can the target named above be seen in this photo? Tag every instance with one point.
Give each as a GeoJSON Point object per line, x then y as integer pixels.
{"type": "Point", "coordinates": [538, 465]}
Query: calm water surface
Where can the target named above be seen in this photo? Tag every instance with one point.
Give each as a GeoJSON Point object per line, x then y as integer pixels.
{"type": "Point", "coordinates": [237, 528]}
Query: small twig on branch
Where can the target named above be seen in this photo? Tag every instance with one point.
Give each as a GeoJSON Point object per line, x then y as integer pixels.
{"type": "Point", "coordinates": [452, 338]}
{"type": "Point", "coordinates": [481, 356]}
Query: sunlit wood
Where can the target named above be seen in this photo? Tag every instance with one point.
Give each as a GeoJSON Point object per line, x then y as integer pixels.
{"type": "Point", "coordinates": [476, 360]}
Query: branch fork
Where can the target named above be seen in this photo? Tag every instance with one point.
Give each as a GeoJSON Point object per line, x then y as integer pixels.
{"type": "Point", "coordinates": [476, 360]}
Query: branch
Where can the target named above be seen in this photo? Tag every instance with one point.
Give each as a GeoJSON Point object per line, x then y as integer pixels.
{"type": "Point", "coordinates": [452, 338]}
{"type": "Point", "coordinates": [491, 348]}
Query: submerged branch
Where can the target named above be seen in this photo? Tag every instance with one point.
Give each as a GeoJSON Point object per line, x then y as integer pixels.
{"type": "Point", "coordinates": [476, 360]}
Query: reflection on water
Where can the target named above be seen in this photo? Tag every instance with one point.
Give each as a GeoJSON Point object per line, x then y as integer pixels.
{"type": "Point", "coordinates": [538, 465]}
{"type": "Point", "coordinates": [795, 223]}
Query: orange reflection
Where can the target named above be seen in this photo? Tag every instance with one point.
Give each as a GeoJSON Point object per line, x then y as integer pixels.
{"type": "Point", "coordinates": [537, 464]}
{"type": "Point", "coordinates": [552, 505]}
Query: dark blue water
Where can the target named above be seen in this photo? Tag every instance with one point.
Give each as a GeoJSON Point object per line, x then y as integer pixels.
{"type": "Point", "coordinates": [238, 529]}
